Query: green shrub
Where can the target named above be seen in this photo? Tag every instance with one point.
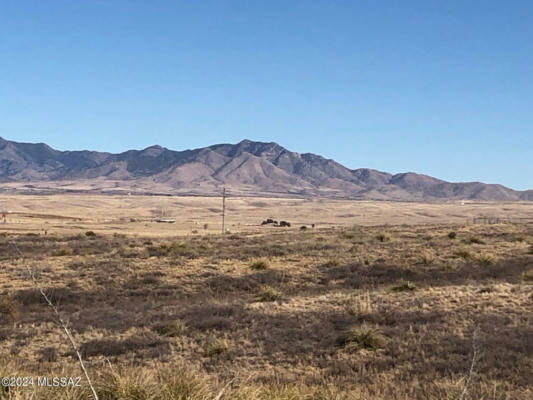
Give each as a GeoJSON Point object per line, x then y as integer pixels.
{"type": "Point", "coordinates": [452, 235]}
{"type": "Point", "coordinates": [90, 234]}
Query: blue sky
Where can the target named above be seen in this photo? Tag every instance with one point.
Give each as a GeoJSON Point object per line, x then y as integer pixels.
{"type": "Point", "coordinates": [443, 88]}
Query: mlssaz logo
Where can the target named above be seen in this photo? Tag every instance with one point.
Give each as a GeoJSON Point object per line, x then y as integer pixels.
{"type": "Point", "coordinates": [59, 381]}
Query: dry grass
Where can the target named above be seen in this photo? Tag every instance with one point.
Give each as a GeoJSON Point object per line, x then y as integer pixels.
{"type": "Point", "coordinates": [333, 316]}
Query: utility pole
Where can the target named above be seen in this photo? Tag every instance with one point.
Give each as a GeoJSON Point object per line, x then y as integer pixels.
{"type": "Point", "coordinates": [223, 209]}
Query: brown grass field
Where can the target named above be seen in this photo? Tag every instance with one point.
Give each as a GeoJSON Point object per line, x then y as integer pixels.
{"type": "Point", "coordinates": [378, 301]}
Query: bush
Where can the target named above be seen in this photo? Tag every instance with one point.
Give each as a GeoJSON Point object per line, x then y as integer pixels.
{"type": "Point", "coordinates": [452, 235]}
{"type": "Point", "coordinates": [427, 257]}
{"type": "Point", "coordinates": [267, 294]}
{"type": "Point", "coordinates": [90, 234]}
{"type": "Point", "coordinates": [260, 264]}
{"type": "Point", "coordinates": [9, 310]}
{"type": "Point", "coordinates": [284, 224]}
{"type": "Point", "coordinates": [331, 264]}
{"type": "Point", "coordinates": [348, 235]}
{"type": "Point", "coordinates": [175, 328]}
{"type": "Point", "coordinates": [404, 287]}
{"type": "Point", "coordinates": [527, 276]}
{"type": "Point", "coordinates": [362, 337]}
{"type": "Point", "coordinates": [303, 228]}
{"type": "Point", "coordinates": [64, 251]}
{"type": "Point", "coordinates": [216, 348]}
{"type": "Point", "coordinates": [463, 253]}
{"type": "Point", "coordinates": [476, 240]}
{"type": "Point", "coordinates": [185, 250]}
{"type": "Point", "coordinates": [485, 259]}
{"type": "Point", "coordinates": [383, 237]}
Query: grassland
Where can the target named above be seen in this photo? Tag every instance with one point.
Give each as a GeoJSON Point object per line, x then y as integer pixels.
{"type": "Point", "coordinates": [71, 214]}
{"type": "Point", "coordinates": [338, 311]}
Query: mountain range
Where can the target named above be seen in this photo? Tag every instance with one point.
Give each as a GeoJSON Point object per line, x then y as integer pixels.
{"type": "Point", "coordinates": [245, 168]}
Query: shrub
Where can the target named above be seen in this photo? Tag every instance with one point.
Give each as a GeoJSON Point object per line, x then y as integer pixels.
{"type": "Point", "coordinates": [63, 251]}
{"type": "Point", "coordinates": [452, 235]}
{"type": "Point", "coordinates": [172, 329]}
{"type": "Point", "coordinates": [268, 293]}
{"type": "Point", "coordinates": [260, 264]}
{"type": "Point", "coordinates": [463, 253]}
{"type": "Point", "coordinates": [185, 250]}
{"type": "Point", "coordinates": [348, 235]}
{"type": "Point", "coordinates": [362, 337]}
{"type": "Point", "coordinates": [303, 228]}
{"type": "Point", "coordinates": [404, 287]}
{"type": "Point", "coordinates": [284, 224]}
{"type": "Point", "coordinates": [9, 309]}
{"type": "Point", "coordinates": [48, 354]}
{"type": "Point", "coordinates": [485, 259]}
{"type": "Point", "coordinates": [90, 234]}
{"type": "Point", "coordinates": [383, 237]}
{"type": "Point", "coordinates": [427, 257]}
{"type": "Point", "coordinates": [476, 240]}
{"type": "Point", "coordinates": [216, 348]}
{"type": "Point", "coordinates": [331, 264]}
{"type": "Point", "coordinates": [184, 385]}
{"type": "Point", "coordinates": [527, 276]}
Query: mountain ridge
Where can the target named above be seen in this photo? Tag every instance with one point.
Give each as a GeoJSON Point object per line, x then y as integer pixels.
{"type": "Point", "coordinates": [248, 167]}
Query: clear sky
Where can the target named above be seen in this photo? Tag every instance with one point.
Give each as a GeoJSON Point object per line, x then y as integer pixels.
{"type": "Point", "coordinates": [443, 88]}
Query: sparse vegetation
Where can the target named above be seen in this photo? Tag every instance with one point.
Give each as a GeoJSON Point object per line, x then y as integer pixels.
{"type": "Point", "coordinates": [61, 252]}
{"type": "Point", "coordinates": [184, 317]}
{"type": "Point", "coordinates": [404, 287]}
{"type": "Point", "coordinates": [427, 257]}
{"type": "Point", "coordinates": [331, 264]}
{"type": "Point", "coordinates": [172, 329]}
{"type": "Point", "coordinates": [260, 264]}
{"type": "Point", "coordinates": [362, 337]}
{"type": "Point", "coordinates": [476, 240]}
{"type": "Point", "coordinates": [527, 276]}
{"type": "Point", "coordinates": [452, 235]}
{"type": "Point", "coordinates": [268, 293]}
{"type": "Point", "coordinates": [383, 237]}
{"type": "Point", "coordinates": [485, 259]}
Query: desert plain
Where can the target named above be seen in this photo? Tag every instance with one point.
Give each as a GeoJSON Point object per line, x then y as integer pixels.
{"type": "Point", "coordinates": [371, 300]}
